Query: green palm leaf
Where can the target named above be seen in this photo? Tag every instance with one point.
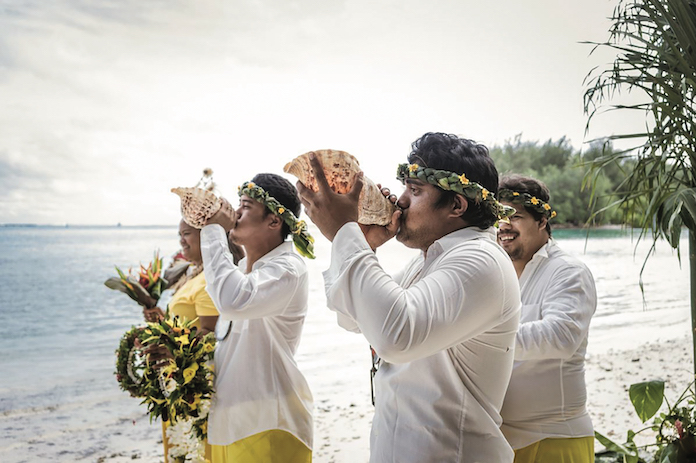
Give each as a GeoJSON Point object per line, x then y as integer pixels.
{"type": "Point", "coordinates": [655, 46]}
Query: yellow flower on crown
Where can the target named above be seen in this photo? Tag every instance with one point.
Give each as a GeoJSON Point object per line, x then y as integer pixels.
{"type": "Point", "coordinates": [546, 206]}
{"type": "Point", "coordinates": [250, 185]}
{"type": "Point", "coordinates": [534, 200]}
{"type": "Point", "coordinates": [553, 214]}
{"type": "Point", "coordinates": [484, 194]}
{"type": "Point", "coordinates": [514, 193]}
{"type": "Point", "coordinates": [281, 210]}
{"type": "Point", "coordinates": [413, 167]}
{"type": "Point", "coordinates": [300, 225]}
{"type": "Point", "coordinates": [463, 179]}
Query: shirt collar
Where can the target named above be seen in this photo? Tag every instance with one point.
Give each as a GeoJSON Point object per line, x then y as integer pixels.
{"type": "Point", "coordinates": [456, 237]}
{"type": "Point", "coordinates": [541, 255]}
{"type": "Point", "coordinates": [284, 248]}
{"type": "Point", "coordinates": [543, 252]}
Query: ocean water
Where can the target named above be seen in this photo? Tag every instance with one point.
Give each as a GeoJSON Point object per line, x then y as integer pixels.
{"type": "Point", "coordinates": [59, 400]}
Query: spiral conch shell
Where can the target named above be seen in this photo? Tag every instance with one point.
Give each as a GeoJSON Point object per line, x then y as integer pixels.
{"type": "Point", "coordinates": [197, 205]}
{"type": "Point", "coordinates": [341, 170]}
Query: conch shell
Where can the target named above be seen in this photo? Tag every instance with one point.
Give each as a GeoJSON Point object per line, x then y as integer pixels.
{"type": "Point", "coordinates": [341, 170]}
{"type": "Point", "coordinates": [197, 205]}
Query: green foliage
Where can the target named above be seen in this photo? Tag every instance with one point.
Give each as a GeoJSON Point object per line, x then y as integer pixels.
{"type": "Point", "coordinates": [674, 430]}
{"type": "Point", "coordinates": [655, 45]}
{"type": "Point", "coordinates": [646, 398]}
{"type": "Point", "coordinates": [562, 168]}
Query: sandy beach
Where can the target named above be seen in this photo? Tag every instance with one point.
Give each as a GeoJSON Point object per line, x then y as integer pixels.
{"type": "Point", "coordinates": [343, 411]}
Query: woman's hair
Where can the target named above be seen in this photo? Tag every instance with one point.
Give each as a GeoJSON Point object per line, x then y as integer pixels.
{"type": "Point", "coordinates": [282, 190]}
{"type": "Point", "coordinates": [461, 156]}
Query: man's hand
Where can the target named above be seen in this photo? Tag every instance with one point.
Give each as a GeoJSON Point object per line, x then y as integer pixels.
{"type": "Point", "coordinates": [225, 216]}
{"type": "Point", "coordinates": [377, 235]}
{"type": "Point", "coordinates": [158, 356]}
{"type": "Point", "coordinates": [327, 209]}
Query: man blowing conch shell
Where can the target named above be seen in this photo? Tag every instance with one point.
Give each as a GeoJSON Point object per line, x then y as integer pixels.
{"type": "Point", "coordinates": [262, 409]}
{"type": "Point", "coordinates": [445, 325]}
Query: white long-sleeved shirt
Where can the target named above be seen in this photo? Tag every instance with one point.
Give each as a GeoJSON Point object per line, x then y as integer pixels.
{"type": "Point", "coordinates": [445, 329]}
{"type": "Point", "coordinates": [547, 395]}
{"type": "Point", "coordinates": [258, 386]}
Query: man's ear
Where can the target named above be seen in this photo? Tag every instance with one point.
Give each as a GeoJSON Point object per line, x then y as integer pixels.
{"type": "Point", "coordinates": [459, 206]}
{"type": "Point", "coordinates": [542, 223]}
{"type": "Point", "coordinates": [275, 222]}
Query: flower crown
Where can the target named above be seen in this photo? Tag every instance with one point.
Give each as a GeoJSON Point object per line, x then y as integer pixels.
{"type": "Point", "coordinates": [528, 201]}
{"type": "Point", "coordinates": [451, 181]}
{"type": "Point", "coordinates": [300, 236]}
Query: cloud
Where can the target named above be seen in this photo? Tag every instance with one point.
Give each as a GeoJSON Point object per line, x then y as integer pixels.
{"type": "Point", "coordinates": [108, 104]}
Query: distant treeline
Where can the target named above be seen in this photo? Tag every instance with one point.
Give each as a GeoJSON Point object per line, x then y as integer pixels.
{"type": "Point", "coordinates": [562, 168]}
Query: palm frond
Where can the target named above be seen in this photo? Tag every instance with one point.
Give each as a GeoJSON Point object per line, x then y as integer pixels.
{"type": "Point", "coordinates": [655, 46]}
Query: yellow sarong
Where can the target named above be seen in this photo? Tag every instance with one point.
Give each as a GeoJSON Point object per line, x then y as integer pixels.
{"type": "Point", "coordinates": [274, 446]}
{"type": "Point", "coordinates": [564, 450]}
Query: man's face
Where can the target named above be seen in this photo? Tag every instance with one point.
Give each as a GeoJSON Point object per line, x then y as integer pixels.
{"type": "Point", "coordinates": [523, 236]}
{"type": "Point", "coordinates": [251, 218]}
{"type": "Point", "coordinates": [421, 223]}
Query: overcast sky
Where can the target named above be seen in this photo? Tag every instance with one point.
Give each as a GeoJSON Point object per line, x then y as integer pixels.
{"type": "Point", "coordinates": [107, 104]}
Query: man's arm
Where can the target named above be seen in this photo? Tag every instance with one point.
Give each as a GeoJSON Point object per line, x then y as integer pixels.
{"type": "Point", "coordinates": [236, 295]}
{"type": "Point", "coordinates": [570, 302]}
{"type": "Point", "coordinates": [460, 299]}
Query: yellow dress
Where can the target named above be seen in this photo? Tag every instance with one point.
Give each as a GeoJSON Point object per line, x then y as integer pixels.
{"type": "Point", "coordinates": [189, 302]}
{"type": "Point", "coordinates": [274, 446]}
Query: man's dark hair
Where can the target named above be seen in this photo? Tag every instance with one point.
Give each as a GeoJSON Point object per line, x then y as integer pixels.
{"type": "Point", "coordinates": [282, 190]}
{"type": "Point", "coordinates": [462, 156]}
{"type": "Point", "coordinates": [531, 186]}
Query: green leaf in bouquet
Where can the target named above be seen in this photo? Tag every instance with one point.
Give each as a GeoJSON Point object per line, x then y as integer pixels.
{"type": "Point", "coordinates": [117, 284]}
{"type": "Point", "coordinates": [142, 297]}
{"type": "Point", "coordinates": [120, 273]}
{"type": "Point", "coordinates": [646, 398]}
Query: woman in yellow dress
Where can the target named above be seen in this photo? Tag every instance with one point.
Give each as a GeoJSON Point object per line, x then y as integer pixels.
{"type": "Point", "coordinates": [190, 300]}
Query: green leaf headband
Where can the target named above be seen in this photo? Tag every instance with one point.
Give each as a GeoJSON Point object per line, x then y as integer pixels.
{"type": "Point", "coordinates": [528, 201]}
{"type": "Point", "coordinates": [450, 181]}
{"type": "Point", "coordinates": [300, 236]}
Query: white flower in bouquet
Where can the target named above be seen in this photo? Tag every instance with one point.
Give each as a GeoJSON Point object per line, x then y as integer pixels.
{"type": "Point", "coordinates": [184, 446]}
{"type": "Point", "coordinates": [204, 408]}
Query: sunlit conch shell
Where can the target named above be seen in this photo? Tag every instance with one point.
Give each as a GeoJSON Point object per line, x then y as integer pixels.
{"type": "Point", "coordinates": [341, 170]}
{"type": "Point", "coordinates": [197, 205]}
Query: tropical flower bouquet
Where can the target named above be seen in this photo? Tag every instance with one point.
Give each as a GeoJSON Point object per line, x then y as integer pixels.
{"type": "Point", "coordinates": [176, 388]}
{"type": "Point", "coordinates": [675, 430]}
{"type": "Point", "coordinates": [147, 286]}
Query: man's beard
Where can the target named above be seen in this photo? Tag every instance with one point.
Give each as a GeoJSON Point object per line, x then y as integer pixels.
{"type": "Point", "coordinates": [514, 253]}
{"type": "Point", "coordinates": [406, 236]}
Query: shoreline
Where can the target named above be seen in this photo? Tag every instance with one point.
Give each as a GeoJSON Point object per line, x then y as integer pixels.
{"type": "Point", "coordinates": [343, 414]}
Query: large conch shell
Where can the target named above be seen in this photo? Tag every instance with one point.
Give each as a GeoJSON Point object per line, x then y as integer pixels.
{"type": "Point", "coordinates": [341, 170]}
{"type": "Point", "coordinates": [197, 205]}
